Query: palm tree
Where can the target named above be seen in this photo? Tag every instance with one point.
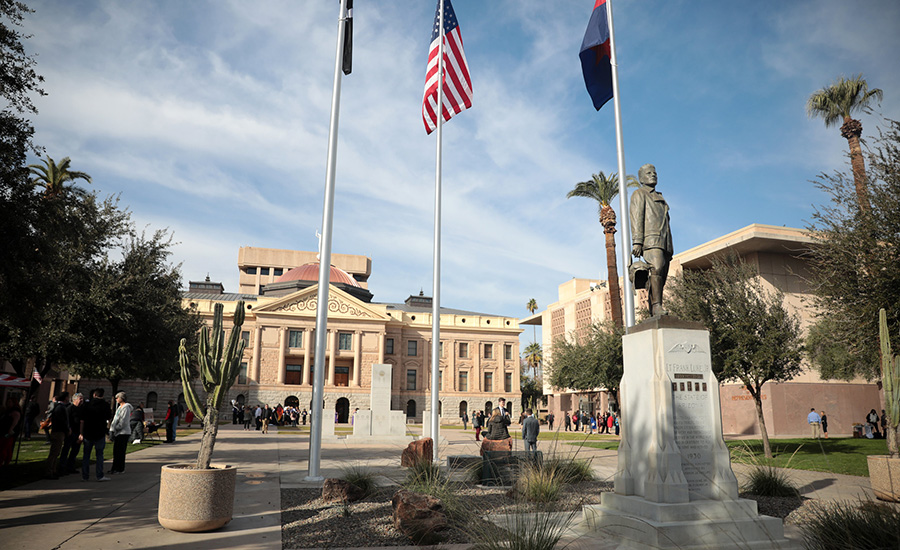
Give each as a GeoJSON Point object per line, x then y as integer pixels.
{"type": "Point", "coordinates": [836, 103]}
{"type": "Point", "coordinates": [604, 189]}
{"type": "Point", "coordinates": [532, 306]}
{"type": "Point", "coordinates": [53, 177]}
{"type": "Point", "coordinates": [534, 356]}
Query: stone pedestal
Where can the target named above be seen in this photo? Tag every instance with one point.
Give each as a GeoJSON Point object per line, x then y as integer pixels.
{"type": "Point", "coordinates": [380, 424]}
{"type": "Point", "coordinates": [674, 486]}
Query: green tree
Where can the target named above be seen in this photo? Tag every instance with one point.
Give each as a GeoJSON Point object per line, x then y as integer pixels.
{"type": "Point", "coordinates": [132, 318]}
{"type": "Point", "coordinates": [838, 103]}
{"type": "Point", "coordinates": [54, 177]}
{"type": "Point", "coordinates": [534, 355]}
{"type": "Point", "coordinates": [604, 189]}
{"type": "Point", "coordinates": [588, 361]}
{"type": "Point", "coordinates": [753, 338]}
{"type": "Point", "coordinates": [853, 265]}
{"type": "Point", "coordinates": [532, 391]}
{"type": "Point", "coordinates": [532, 306]}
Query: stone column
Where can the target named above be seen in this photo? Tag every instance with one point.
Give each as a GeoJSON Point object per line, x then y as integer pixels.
{"type": "Point", "coordinates": [381, 337]}
{"type": "Point", "coordinates": [478, 382]}
{"type": "Point", "coordinates": [307, 353]}
{"type": "Point", "coordinates": [332, 354]}
{"type": "Point", "coordinates": [357, 356]}
{"type": "Point", "coordinates": [451, 365]}
{"type": "Point", "coordinates": [257, 351]}
{"type": "Point", "coordinates": [282, 350]}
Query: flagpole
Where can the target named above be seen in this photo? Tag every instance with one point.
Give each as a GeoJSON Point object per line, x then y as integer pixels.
{"type": "Point", "coordinates": [317, 407]}
{"type": "Point", "coordinates": [625, 233]}
{"type": "Point", "coordinates": [436, 283]}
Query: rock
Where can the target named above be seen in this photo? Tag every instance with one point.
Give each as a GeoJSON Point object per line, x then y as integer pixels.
{"type": "Point", "coordinates": [338, 490]}
{"type": "Point", "coordinates": [496, 445]}
{"type": "Point", "coordinates": [422, 449]}
{"type": "Point", "coordinates": [418, 516]}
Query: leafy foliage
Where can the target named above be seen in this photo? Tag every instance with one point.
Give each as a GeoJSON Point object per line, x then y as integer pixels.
{"type": "Point", "coordinates": [590, 361]}
{"type": "Point", "coordinates": [844, 98]}
{"type": "Point", "coordinates": [853, 267]}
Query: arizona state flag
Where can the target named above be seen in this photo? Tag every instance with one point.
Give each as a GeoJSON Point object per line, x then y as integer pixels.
{"type": "Point", "coordinates": [595, 56]}
{"type": "Point", "coordinates": [347, 65]}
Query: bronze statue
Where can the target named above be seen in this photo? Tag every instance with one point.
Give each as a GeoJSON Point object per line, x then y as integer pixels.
{"type": "Point", "coordinates": [650, 234]}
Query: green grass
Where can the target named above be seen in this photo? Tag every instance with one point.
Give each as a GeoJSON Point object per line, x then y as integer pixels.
{"type": "Point", "coordinates": [834, 455]}
{"type": "Point", "coordinates": [32, 465]}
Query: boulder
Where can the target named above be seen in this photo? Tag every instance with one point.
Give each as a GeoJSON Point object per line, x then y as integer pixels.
{"type": "Point", "coordinates": [420, 517]}
{"type": "Point", "coordinates": [338, 490]}
{"type": "Point", "coordinates": [422, 449]}
{"type": "Point", "coordinates": [496, 445]}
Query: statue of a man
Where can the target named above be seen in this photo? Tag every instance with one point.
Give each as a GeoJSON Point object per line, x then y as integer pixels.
{"type": "Point", "coordinates": [650, 234]}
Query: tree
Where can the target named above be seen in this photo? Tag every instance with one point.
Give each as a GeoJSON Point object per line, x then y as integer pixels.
{"type": "Point", "coordinates": [603, 189]}
{"type": "Point", "coordinates": [837, 103]}
{"type": "Point", "coordinates": [753, 338]}
{"type": "Point", "coordinates": [853, 264]}
{"type": "Point", "coordinates": [532, 306]}
{"type": "Point", "coordinates": [534, 355]}
{"type": "Point", "coordinates": [54, 177]}
{"type": "Point", "coordinates": [132, 318]}
{"type": "Point", "coordinates": [588, 362]}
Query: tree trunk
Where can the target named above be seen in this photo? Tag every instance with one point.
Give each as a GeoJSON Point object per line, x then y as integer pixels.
{"type": "Point", "coordinates": [210, 429]}
{"type": "Point", "coordinates": [852, 130]}
{"type": "Point", "coordinates": [757, 398]}
{"type": "Point", "coordinates": [608, 219]}
{"type": "Point", "coordinates": [892, 439]}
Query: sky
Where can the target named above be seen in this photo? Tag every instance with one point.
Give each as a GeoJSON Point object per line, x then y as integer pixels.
{"type": "Point", "coordinates": [211, 119]}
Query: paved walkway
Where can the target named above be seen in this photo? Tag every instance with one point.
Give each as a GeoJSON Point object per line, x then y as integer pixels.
{"type": "Point", "coordinates": [70, 514]}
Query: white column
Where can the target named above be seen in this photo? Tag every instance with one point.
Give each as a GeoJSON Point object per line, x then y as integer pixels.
{"type": "Point", "coordinates": [282, 350]}
{"type": "Point", "coordinates": [357, 356]}
{"type": "Point", "coordinates": [257, 351]}
{"type": "Point", "coordinates": [332, 354]}
{"type": "Point", "coordinates": [307, 354]}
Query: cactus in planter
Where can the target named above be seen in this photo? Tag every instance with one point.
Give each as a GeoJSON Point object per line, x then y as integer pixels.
{"type": "Point", "coordinates": [890, 381]}
{"type": "Point", "coordinates": [219, 369]}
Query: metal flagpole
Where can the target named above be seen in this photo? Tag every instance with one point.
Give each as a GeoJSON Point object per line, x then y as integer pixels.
{"type": "Point", "coordinates": [625, 233]}
{"type": "Point", "coordinates": [436, 284]}
{"type": "Point", "coordinates": [317, 407]}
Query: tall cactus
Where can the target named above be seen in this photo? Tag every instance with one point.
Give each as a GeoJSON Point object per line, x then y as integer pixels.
{"type": "Point", "coordinates": [890, 381]}
{"type": "Point", "coordinates": [219, 368]}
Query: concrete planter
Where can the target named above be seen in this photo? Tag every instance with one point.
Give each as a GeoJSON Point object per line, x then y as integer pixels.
{"type": "Point", "coordinates": [196, 500]}
{"type": "Point", "coordinates": [884, 475]}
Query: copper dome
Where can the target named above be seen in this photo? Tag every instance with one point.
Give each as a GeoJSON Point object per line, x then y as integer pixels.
{"type": "Point", "coordinates": [310, 272]}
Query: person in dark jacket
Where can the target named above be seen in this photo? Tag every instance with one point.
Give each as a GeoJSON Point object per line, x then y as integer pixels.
{"type": "Point", "coordinates": [58, 431]}
{"type": "Point", "coordinates": [171, 419]}
{"type": "Point", "coordinates": [71, 445]}
{"type": "Point", "coordinates": [496, 427]}
{"type": "Point", "coordinates": [95, 417]}
{"type": "Point", "coordinates": [530, 430]}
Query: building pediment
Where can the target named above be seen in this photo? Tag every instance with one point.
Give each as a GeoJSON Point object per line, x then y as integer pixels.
{"type": "Point", "coordinates": [304, 303]}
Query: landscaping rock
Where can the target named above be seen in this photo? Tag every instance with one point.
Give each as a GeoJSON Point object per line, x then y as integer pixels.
{"type": "Point", "coordinates": [496, 445]}
{"type": "Point", "coordinates": [338, 490]}
{"type": "Point", "coordinates": [420, 517]}
{"type": "Point", "coordinates": [422, 449]}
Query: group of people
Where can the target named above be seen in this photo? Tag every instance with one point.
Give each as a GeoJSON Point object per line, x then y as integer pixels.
{"type": "Point", "coordinates": [262, 416]}
{"type": "Point", "coordinates": [600, 423]}
{"type": "Point", "coordinates": [818, 424]}
{"type": "Point", "coordinates": [496, 426]}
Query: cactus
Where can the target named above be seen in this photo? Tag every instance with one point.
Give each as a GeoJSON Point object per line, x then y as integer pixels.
{"type": "Point", "coordinates": [219, 369]}
{"type": "Point", "coordinates": [890, 381]}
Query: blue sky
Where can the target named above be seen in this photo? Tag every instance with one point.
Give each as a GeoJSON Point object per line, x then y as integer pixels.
{"type": "Point", "coordinates": [211, 119]}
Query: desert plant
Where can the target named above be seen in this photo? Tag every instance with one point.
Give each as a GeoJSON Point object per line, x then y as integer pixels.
{"type": "Point", "coordinates": [840, 525]}
{"type": "Point", "coordinates": [890, 380]}
{"type": "Point", "coordinates": [524, 530]}
{"type": "Point", "coordinates": [569, 469]}
{"type": "Point", "coordinates": [361, 477]}
{"type": "Point", "coordinates": [219, 366]}
{"type": "Point", "coordinates": [764, 479]}
{"type": "Point", "coordinates": [537, 483]}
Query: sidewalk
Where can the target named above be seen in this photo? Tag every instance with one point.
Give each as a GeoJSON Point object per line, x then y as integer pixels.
{"type": "Point", "coordinates": [71, 514]}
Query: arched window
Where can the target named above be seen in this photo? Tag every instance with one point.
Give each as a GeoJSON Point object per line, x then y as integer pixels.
{"type": "Point", "coordinates": [342, 408]}
{"type": "Point", "coordinates": [410, 409]}
{"type": "Point", "coordinates": [463, 408]}
{"type": "Point", "coordinates": [292, 401]}
{"type": "Point", "coordinates": [151, 400]}
{"type": "Point", "coordinates": [488, 408]}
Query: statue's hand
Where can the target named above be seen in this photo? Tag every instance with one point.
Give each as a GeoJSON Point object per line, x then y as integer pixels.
{"type": "Point", "coordinates": [637, 250]}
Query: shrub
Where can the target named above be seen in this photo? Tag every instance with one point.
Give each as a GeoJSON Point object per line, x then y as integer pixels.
{"type": "Point", "coordinates": [852, 526]}
{"type": "Point", "coordinates": [541, 530]}
{"type": "Point", "coordinates": [569, 469]}
{"type": "Point", "coordinates": [361, 477]}
{"type": "Point", "coordinates": [537, 483]}
{"type": "Point", "coordinates": [764, 479]}
{"type": "Point", "coordinates": [426, 477]}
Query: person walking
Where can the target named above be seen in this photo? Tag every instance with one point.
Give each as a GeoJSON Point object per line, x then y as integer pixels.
{"type": "Point", "coordinates": [137, 424]}
{"type": "Point", "coordinates": [530, 430]}
{"type": "Point", "coordinates": [465, 419]}
{"type": "Point", "coordinates": [120, 432]}
{"type": "Point", "coordinates": [58, 431]}
{"type": "Point", "coordinates": [94, 421]}
{"type": "Point", "coordinates": [567, 421]}
{"type": "Point", "coordinates": [550, 419]}
{"type": "Point", "coordinates": [477, 423]}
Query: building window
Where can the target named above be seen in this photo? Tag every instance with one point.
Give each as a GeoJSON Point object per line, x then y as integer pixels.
{"type": "Point", "coordinates": [463, 350]}
{"type": "Point", "coordinates": [245, 336]}
{"type": "Point", "coordinates": [411, 379]}
{"type": "Point", "coordinates": [345, 341]}
{"type": "Point", "coordinates": [412, 348]}
{"type": "Point", "coordinates": [507, 352]}
{"type": "Point", "coordinates": [507, 382]}
{"type": "Point", "coordinates": [264, 271]}
{"type": "Point", "coordinates": [341, 376]}
{"type": "Point", "coordinates": [389, 346]}
{"type": "Point", "coordinates": [440, 381]}
{"type": "Point", "coordinates": [489, 351]}
{"type": "Point", "coordinates": [251, 271]}
{"type": "Point", "coordinates": [463, 381]}
{"type": "Point", "coordinates": [293, 375]}
{"type": "Point", "coordinates": [242, 374]}
{"type": "Point", "coordinates": [295, 338]}
{"type": "Point", "coordinates": [277, 271]}
{"type": "Point", "coordinates": [488, 382]}
{"type": "Point", "coordinates": [441, 350]}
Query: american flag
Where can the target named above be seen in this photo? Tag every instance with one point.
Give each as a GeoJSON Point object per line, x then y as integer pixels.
{"type": "Point", "coordinates": [36, 375]}
{"type": "Point", "coordinates": [457, 84]}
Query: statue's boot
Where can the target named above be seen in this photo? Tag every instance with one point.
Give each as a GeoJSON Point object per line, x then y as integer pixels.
{"type": "Point", "coordinates": [656, 295]}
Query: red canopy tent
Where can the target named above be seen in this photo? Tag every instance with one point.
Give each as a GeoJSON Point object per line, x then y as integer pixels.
{"type": "Point", "coordinates": [14, 381]}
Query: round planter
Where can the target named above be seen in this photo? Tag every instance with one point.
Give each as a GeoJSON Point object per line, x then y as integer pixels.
{"type": "Point", "coordinates": [196, 500]}
{"type": "Point", "coordinates": [884, 476]}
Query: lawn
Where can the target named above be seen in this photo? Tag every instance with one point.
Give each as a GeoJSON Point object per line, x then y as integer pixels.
{"type": "Point", "coordinates": [32, 464]}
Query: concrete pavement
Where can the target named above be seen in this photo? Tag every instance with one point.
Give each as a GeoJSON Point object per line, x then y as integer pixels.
{"type": "Point", "coordinates": [70, 514]}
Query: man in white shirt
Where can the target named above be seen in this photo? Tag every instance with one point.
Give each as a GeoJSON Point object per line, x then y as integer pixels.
{"type": "Point", "coordinates": [815, 422]}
